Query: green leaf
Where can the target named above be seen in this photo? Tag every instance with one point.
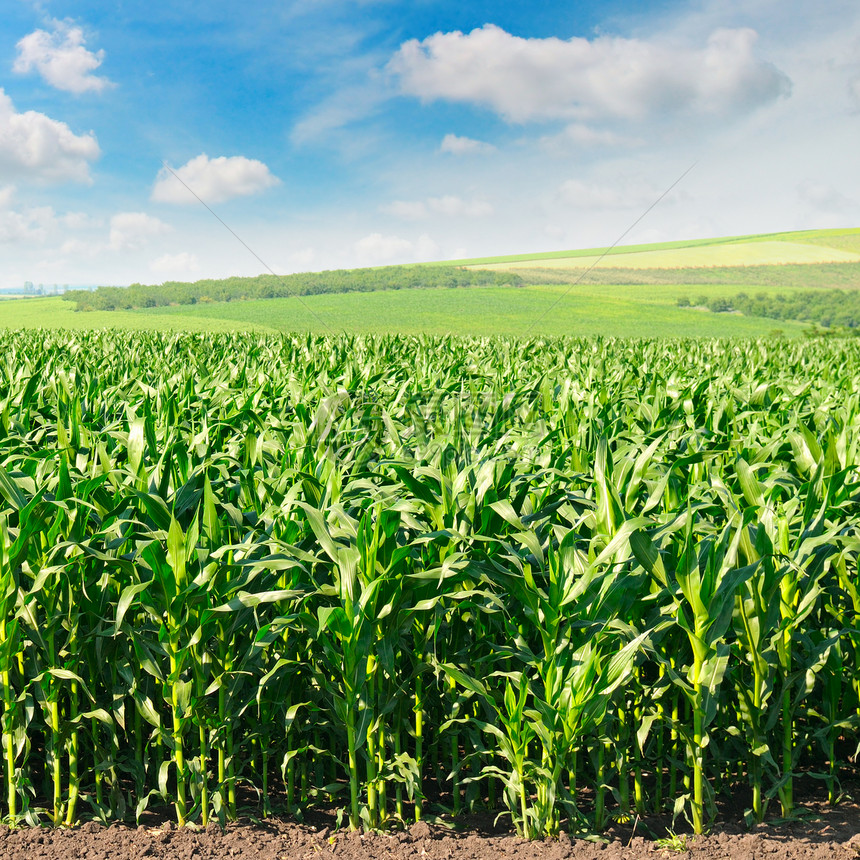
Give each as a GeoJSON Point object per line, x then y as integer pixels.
{"type": "Point", "coordinates": [334, 618]}
{"type": "Point", "coordinates": [176, 557]}
{"type": "Point", "coordinates": [136, 444]}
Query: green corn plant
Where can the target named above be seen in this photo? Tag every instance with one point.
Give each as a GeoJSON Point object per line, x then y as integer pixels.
{"type": "Point", "coordinates": [582, 657]}
{"type": "Point", "coordinates": [120, 455]}
{"type": "Point", "coordinates": [702, 584]}
{"type": "Point", "coordinates": [344, 632]}
{"type": "Point", "coordinates": [10, 644]}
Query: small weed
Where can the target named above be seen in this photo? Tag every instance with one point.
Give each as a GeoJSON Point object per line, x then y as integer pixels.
{"type": "Point", "coordinates": [673, 842]}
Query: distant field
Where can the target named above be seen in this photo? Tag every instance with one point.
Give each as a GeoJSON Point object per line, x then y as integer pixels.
{"type": "Point", "coordinates": [54, 313]}
{"type": "Point", "coordinates": [622, 311]}
{"type": "Point", "coordinates": [840, 239]}
{"type": "Point", "coordinates": [807, 276]}
{"type": "Point", "coordinates": [847, 240]}
{"type": "Point", "coordinates": [633, 293]}
{"type": "Point", "coordinates": [700, 256]}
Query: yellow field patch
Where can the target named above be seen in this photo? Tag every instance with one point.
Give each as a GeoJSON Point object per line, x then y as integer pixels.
{"type": "Point", "coordinates": [740, 254]}
{"type": "Point", "coordinates": [847, 241]}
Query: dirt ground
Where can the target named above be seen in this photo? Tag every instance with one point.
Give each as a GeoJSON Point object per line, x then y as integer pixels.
{"type": "Point", "coordinates": [823, 832]}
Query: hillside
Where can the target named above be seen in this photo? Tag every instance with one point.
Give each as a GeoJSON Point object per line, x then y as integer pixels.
{"type": "Point", "coordinates": [532, 311]}
{"type": "Point", "coordinates": [268, 286]}
{"type": "Point", "coordinates": [805, 246]}
{"type": "Point", "coordinates": [634, 291]}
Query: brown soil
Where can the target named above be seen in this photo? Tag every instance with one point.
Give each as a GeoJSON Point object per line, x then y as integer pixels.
{"type": "Point", "coordinates": [822, 833]}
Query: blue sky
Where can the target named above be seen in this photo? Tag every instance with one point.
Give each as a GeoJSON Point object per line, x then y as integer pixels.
{"type": "Point", "coordinates": [331, 133]}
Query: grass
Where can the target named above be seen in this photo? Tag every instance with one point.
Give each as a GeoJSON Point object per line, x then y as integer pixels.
{"type": "Point", "coordinates": [55, 313]}
{"type": "Point", "coordinates": [633, 293]}
{"type": "Point", "coordinates": [674, 842]}
{"type": "Point", "coordinates": [620, 311]}
{"type": "Point", "coordinates": [739, 254]}
{"type": "Point", "coordinates": [807, 276]}
{"type": "Point", "coordinates": [848, 241]}
{"type": "Point", "coordinates": [844, 238]}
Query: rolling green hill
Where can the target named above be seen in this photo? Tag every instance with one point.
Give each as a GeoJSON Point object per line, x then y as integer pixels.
{"type": "Point", "coordinates": [843, 239]}
{"type": "Point", "coordinates": [622, 311]}
{"type": "Point", "coordinates": [634, 291]}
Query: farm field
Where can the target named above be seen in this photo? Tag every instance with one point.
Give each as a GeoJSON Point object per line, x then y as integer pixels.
{"type": "Point", "coordinates": [826, 834]}
{"type": "Point", "coordinates": [553, 310]}
{"type": "Point", "coordinates": [740, 254]}
{"type": "Point", "coordinates": [55, 313]}
{"type": "Point", "coordinates": [572, 581]}
{"type": "Point", "coordinates": [550, 310]}
{"type": "Point", "coordinates": [634, 292]}
{"type": "Point", "coordinates": [845, 239]}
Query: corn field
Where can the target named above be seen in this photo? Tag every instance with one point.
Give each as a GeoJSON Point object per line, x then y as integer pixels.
{"type": "Point", "coordinates": [561, 580]}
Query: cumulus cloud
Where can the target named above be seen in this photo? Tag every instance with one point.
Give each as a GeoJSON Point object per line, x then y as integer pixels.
{"type": "Point", "coordinates": [28, 226]}
{"type": "Point", "coordinates": [80, 248]}
{"type": "Point", "coordinates": [175, 265]}
{"type": "Point", "coordinates": [453, 206]}
{"type": "Point", "coordinates": [214, 180]}
{"type": "Point", "coordinates": [34, 146]}
{"type": "Point", "coordinates": [79, 221]}
{"type": "Point", "coordinates": [580, 136]}
{"type": "Point", "coordinates": [61, 59]}
{"type": "Point", "coordinates": [409, 210]}
{"type": "Point", "coordinates": [448, 205]}
{"type": "Point", "coordinates": [454, 145]}
{"type": "Point", "coordinates": [36, 225]}
{"type": "Point", "coordinates": [579, 79]}
{"type": "Point", "coordinates": [132, 230]}
{"type": "Point", "coordinates": [376, 249]}
{"type": "Point", "coordinates": [623, 195]}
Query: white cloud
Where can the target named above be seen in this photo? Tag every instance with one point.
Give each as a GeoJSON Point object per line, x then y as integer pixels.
{"type": "Point", "coordinates": [622, 195]}
{"type": "Point", "coordinates": [409, 210]}
{"type": "Point", "coordinates": [213, 180]}
{"type": "Point", "coordinates": [132, 230]}
{"type": "Point", "coordinates": [854, 89]}
{"type": "Point", "coordinates": [61, 59]}
{"type": "Point", "coordinates": [454, 145]}
{"type": "Point", "coordinates": [80, 249]}
{"type": "Point", "coordinates": [34, 146]}
{"type": "Point", "coordinates": [580, 136]}
{"type": "Point", "coordinates": [348, 105]}
{"type": "Point", "coordinates": [30, 226]}
{"type": "Point", "coordinates": [79, 221]}
{"type": "Point", "coordinates": [303, 259]}
{"type": "Point", "coordinates": [376, 249]}
{"type": "Point", "coordinates": [176, 265]}
{"type": "Point", "coordinates": [449, 205]}
{"type": "Point", "coordinates": [453, 206]}
{"type": "Point", "coordinates": [579, 79]}
{"type": "Point", "coordinates": [585, 195]}
{"type": "Point", "coordinates": [36, 226]}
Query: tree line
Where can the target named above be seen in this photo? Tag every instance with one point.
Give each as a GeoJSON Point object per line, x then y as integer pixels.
{"type": "Point", "coordinates": [828, 308]}
{"type": "Point", "coordinates": [275, 286]}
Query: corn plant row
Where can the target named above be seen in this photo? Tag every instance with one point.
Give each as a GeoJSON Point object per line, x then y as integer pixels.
{"type": "Point", "coordinates": [564, 580]}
